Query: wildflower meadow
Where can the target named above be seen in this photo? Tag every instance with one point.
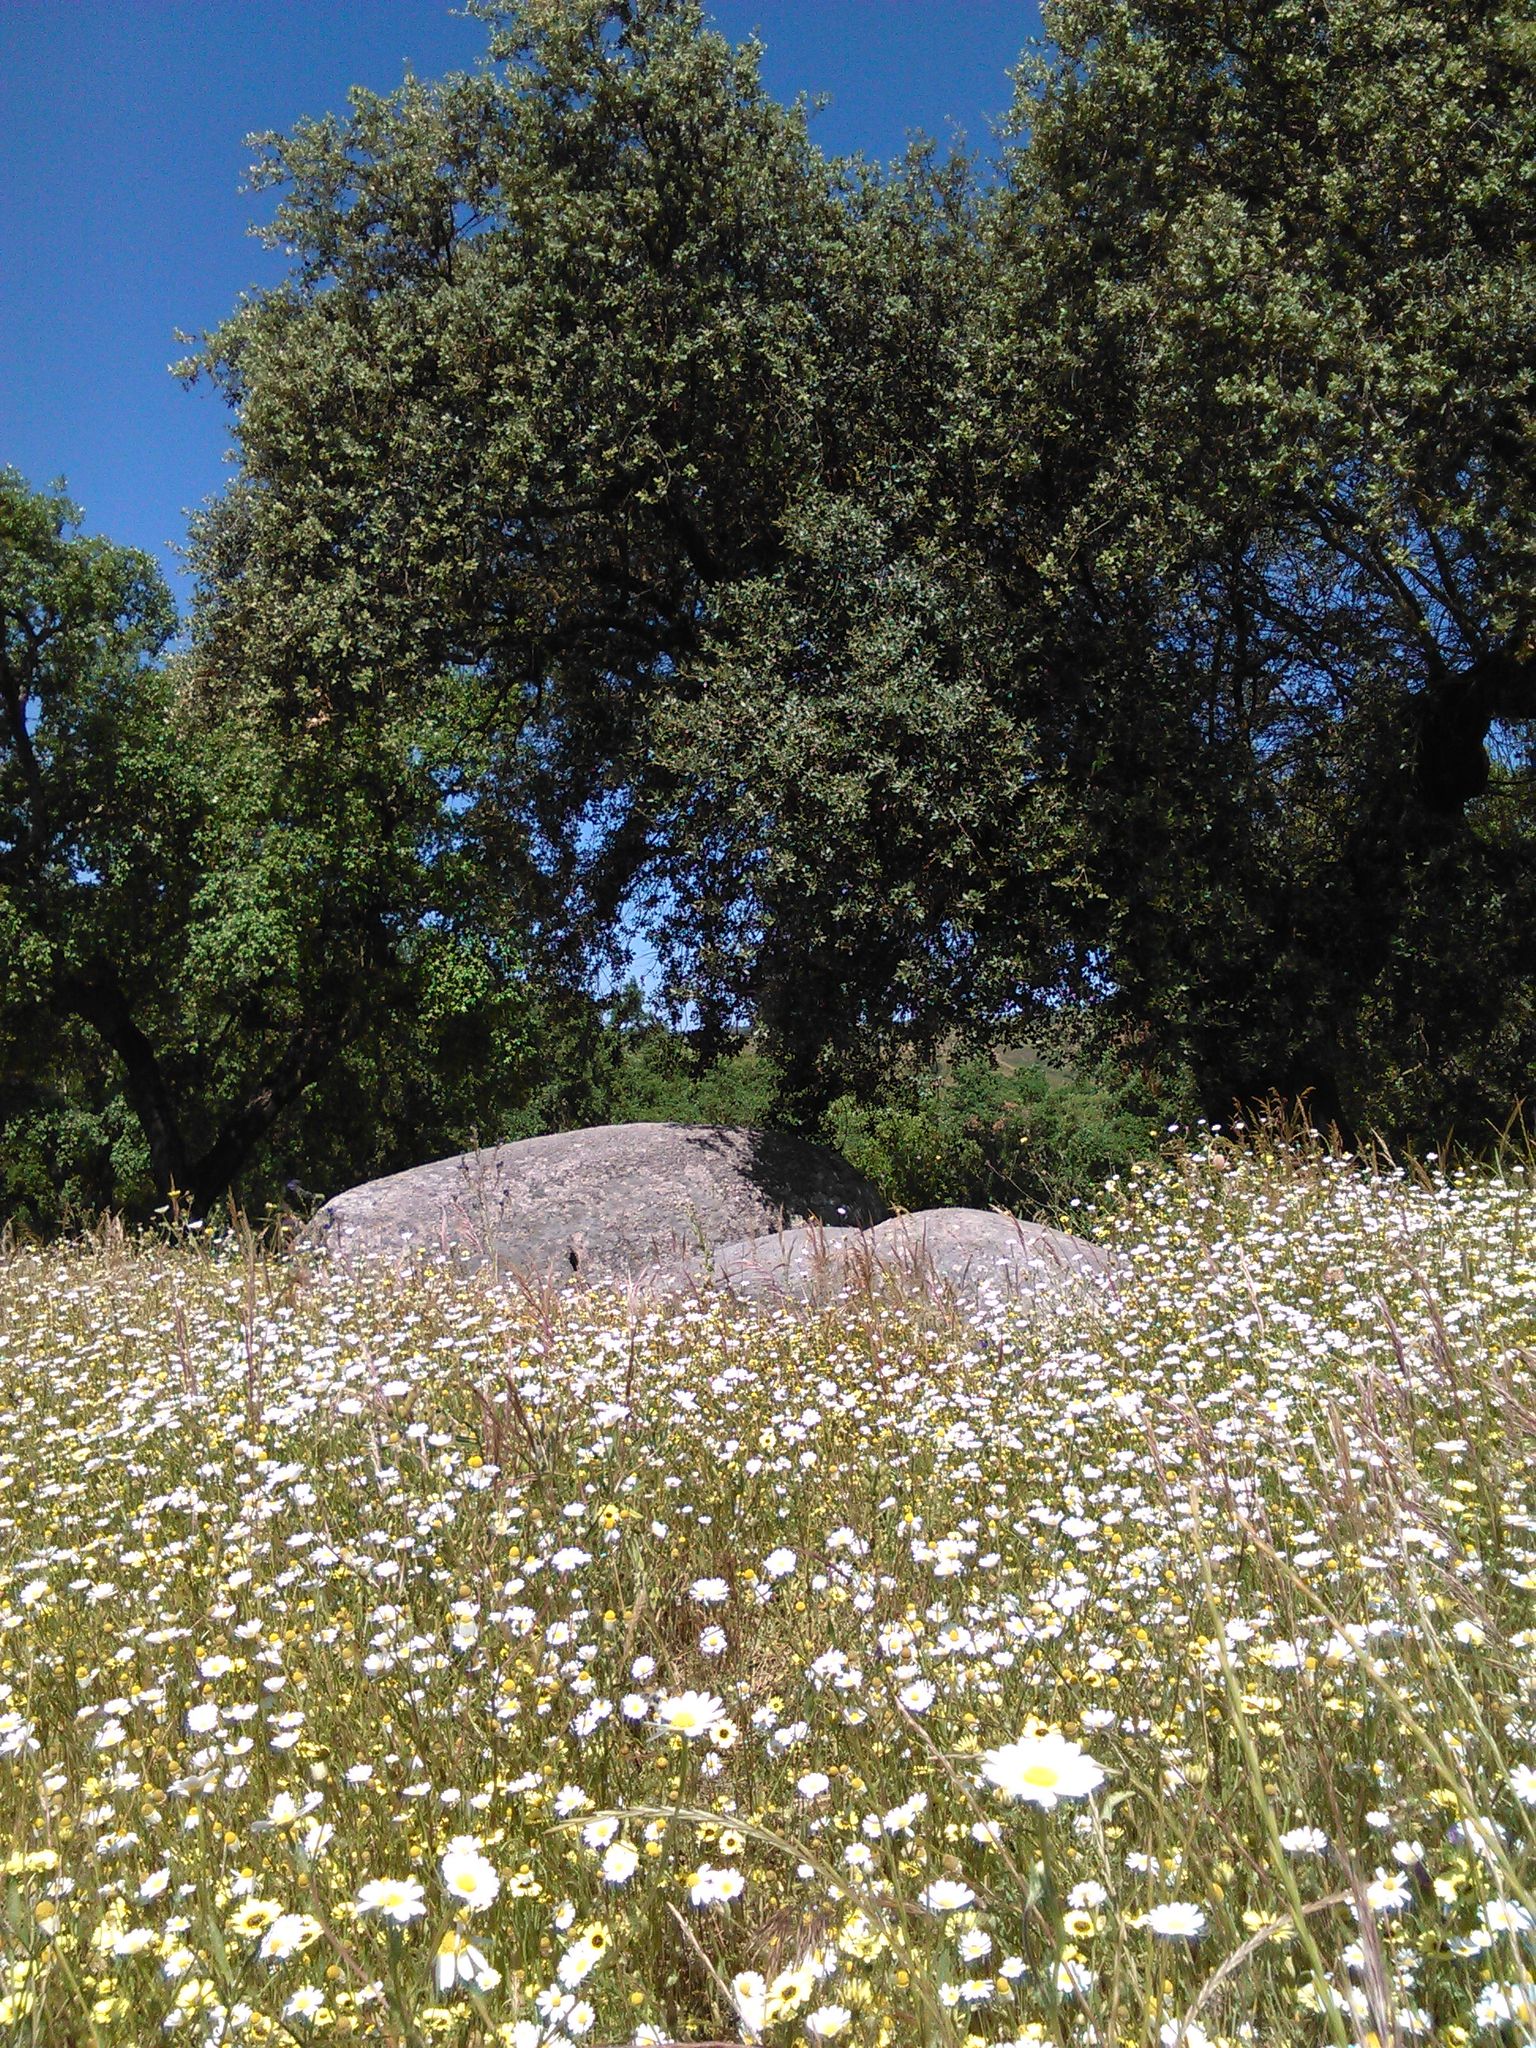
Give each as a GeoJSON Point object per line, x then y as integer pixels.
{"type": "Point", "coordinates": [403, 1658]}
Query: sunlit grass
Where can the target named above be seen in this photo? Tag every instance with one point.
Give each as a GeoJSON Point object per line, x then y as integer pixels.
{"type": "Point", "coordinates": [393, 1659]}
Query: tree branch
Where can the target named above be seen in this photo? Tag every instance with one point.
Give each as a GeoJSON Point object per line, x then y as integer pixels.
{"type": "Point", "coordinates": [98, 1000]}
{"type": "Point", "coordinates": [1455, 716]}
{"type": "Point", "coordinates": [14, 696]}
{"type": "Point", "coordinates": [309, 1052]}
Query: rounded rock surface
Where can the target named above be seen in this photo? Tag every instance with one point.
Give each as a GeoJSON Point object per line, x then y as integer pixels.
{"type": "Point", "coordinates": [604, 1205]}
{"type": "Point", "coordinates": [972, 1254]}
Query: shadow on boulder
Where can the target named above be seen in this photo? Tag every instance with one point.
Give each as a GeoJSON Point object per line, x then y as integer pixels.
{"type": "Point", "coordinates": [608, 1205]}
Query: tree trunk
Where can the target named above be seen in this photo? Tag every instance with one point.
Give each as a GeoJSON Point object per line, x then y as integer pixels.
{"type": "Point", "coordinates": [195, 1183]}
{"type": "Point", "coordinates": [309, 1053]}
{"type": "Point", "coordinates": [1455, 716]}
{"type": "Point", "coordinates": [99, 1001]}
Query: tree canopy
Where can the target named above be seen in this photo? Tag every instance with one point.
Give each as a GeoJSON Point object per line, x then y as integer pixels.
{"type": "Point", "coordinates": [934, 601]}
{"type": "Point", "coordinates": [210, 924]}
{"type": "Point", "coordinates": [1271, 314]}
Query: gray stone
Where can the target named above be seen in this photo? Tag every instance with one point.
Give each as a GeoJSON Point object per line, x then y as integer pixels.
{"type": "Point", "coordinates": [968, 1254]}
{"type": "Point", "coordinates": [611, 1204]}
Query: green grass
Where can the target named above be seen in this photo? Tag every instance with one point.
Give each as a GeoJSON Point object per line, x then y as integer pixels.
{"type": "Point", "coordinates": [305, 1578]}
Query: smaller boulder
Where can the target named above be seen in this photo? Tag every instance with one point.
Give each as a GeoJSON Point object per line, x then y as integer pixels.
{"type": "Point", "coordinates": [974, 1255]}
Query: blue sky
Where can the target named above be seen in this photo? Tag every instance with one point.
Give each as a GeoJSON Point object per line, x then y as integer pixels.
{"type": "Point", "coordinates": [122, 126]}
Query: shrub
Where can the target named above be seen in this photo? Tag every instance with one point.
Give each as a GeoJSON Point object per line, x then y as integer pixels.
{"type": "Point", "coordinates": [982, 1135]}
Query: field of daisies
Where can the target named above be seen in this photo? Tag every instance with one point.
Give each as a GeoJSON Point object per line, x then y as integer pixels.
{"type": "Point", "coordinates": [397, 1659]}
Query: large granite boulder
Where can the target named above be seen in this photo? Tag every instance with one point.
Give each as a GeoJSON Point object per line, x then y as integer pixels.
{"type": "Point", "coordinates": [613, 1204]}
{"type": "Point", "coordinates": [971, 1255]}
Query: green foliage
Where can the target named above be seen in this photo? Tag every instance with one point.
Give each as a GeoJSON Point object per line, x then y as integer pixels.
{"type": "Point", "coordinates": [1254, 414]}
{"type": "Point", "coordinates": [69, 1154]}
{"type": "Point", "coordinates": [588, 369]}
{"type": "Point", "coordinates": [211, 922]}
{"type": "Point", "coordinates": [1021, 1137]}
{"type": "Point", "coordinates": [930, 606]}
{"type": "Point", "coordinates": [657, 1077]}
{"type": "Point", "coordinates": [558, 349]}
{"type": "Point", "coordinates": [844, 844]}
{"type": "Point", "coordinates": [1014, 1132]}
{"type": "Point", "coordinates": [935, 601]}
